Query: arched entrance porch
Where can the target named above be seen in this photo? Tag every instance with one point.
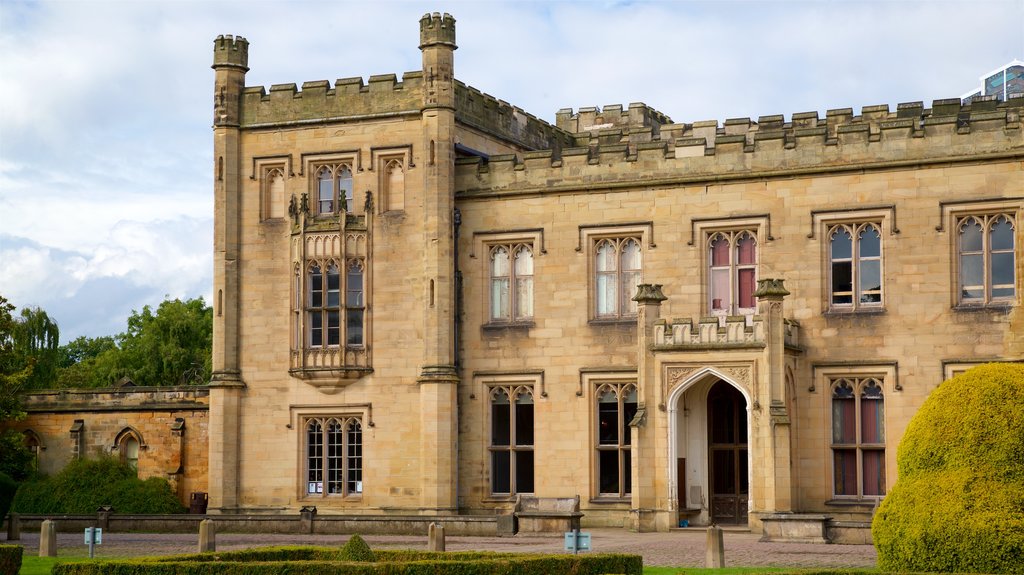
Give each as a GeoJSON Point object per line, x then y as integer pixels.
{"type": "Point", "coordinates": [709, 431]}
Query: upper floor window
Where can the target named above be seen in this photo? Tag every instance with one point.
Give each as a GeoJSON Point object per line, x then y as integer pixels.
{"type": "Point", "coordinates": [858, 437]}
{"type": "Point", "coordinates": [511, 448]}
{"type": "Point", "coordinates": [616, 407]}
{"type": "Point", "coordinates": [616, 274]}
{"type": "Point", "coordinates": [511, 268]}
{"type": "Point", "coordinates": [986, 258]}
{"type": "Point", "coordinates": [324, 305]}
{"type": "Point", "coordinates": [855, 266]}
{"type": "Point", "coordinates": [732, 272]}
{"type": "Point", "coordinates": [334, 189]}
{"type": "Point", "coordinates": [333, 456]}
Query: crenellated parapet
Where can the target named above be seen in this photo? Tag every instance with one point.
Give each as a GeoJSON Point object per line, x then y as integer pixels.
{"type": "Point", "coordinates": [713, 332]}
{"type": "Point", "coordinates": [591, 121]}
{"type": "Point", "coordinates": [771, 146]}
{"type": "Point", "coordinates": [231, 51]}
{"type": "Point", "coordinates": [437, 29]}
{"type": "Point", "coordinates": [319, 102]}
{"type": "Point", "coordinates": [499, 118]}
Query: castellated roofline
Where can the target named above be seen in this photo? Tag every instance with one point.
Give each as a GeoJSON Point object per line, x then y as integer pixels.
{"type": "Point", "coordinates": [741, 149]}
{"type": "Point", "coordinates": [437, 29]}
{"type": "Point", "coordinates": [231, 51]}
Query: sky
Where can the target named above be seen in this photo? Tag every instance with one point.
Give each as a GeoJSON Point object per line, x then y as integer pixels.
{"type": "Point", "coordinates": [106, 179]}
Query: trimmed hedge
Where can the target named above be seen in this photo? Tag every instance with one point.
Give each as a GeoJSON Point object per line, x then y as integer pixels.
{"type": "Point", "coordinates": [313, 561]}
{"type": "Point", "coordinates": [356, 550]}
{"type": "Point", "coordinates": [958, 505]}
{"type": "Point", "coordinates": [10, 559]}
{"type": "Point", "coordinates": [83, 485]}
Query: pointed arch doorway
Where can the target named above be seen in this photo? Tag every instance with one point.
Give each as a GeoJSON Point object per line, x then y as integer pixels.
{"type": "Point", "coordinates": [728, 475]}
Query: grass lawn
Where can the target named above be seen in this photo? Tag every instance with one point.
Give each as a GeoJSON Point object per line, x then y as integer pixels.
{"type": "Point", "coordinates": [34, 565]}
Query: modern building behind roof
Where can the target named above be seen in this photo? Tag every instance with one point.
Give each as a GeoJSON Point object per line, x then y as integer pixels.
{"type": "Point", "coordinates": [1002, 82]}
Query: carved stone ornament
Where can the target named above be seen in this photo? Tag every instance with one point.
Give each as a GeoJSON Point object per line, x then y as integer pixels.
{"type": "Point", "coordinates": [677, 375]}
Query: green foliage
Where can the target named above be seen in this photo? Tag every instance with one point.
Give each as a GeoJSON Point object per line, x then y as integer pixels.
{"type": "Point", "coordinates": [356, 550]}
{"type": "Point", "coordinates": [36, 338]}
{"type": "Point", "coordinates": [84, 485]}
{"type": "Point", "coordinates": [958, 505]}
{"type": "Point", "coordinates": [172, 346]}
{"type": "Point", "coordinates": [15, 369]}
{"type": "Point", "coordinates": [15, 458]}
{"type": "Point", "coordinates": [315, 561]}
{"type": "Point", "coordinates": [10, 558]}
{"type": "Point", "coordinates": [8, 487]}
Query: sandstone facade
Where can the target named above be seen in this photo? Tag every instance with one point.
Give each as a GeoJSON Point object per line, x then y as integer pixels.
{"type": "Point", "coordinates": [426, 299]}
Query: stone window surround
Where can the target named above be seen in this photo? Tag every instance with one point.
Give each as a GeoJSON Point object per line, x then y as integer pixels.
{"type": "Point", "coordinates": [484, 383]}
{"type": "Point", "coordinates": [589, 237]}
{"type": "Point", "coordinates": [949, 215]}
{"type": "Point", "coordinates": [822, 378]}
{"type": "Point", "coordinates": [262, 167]}
{"type": "Point", "coordinates": [703, 229]}
{"type": "Point", "coordinates": [483, 242]}
{"type": "Point", "coordinates": [380, 157]}
{"type": "Point", "coordinates": [300, 414]}
{"type": "Point", "coordinates": [592, 382]}
{"type": "Point", "coordinates": [882, 216]}
{"type": "Point", "coordinates": [311, 163]}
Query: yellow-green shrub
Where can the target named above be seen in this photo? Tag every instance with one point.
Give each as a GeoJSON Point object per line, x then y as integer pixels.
{"type": "Point", "coordinates": [958, 505]}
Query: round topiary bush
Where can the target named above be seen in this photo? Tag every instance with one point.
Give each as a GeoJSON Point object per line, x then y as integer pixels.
{"type": "Point", "coordinates": [958, 505]}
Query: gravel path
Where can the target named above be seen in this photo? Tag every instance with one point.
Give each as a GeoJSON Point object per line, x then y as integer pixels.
{"type": "Point", "coordinates": [678, 548]}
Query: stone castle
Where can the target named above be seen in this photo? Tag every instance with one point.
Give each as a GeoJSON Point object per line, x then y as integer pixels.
{"type": "Point", "coordinates": [430, 302]}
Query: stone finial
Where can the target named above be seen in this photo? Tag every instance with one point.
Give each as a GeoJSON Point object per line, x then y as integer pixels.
{"type": "Point", "coordinates": [437, 29]}
{"type": "Point", "coordinates": [649, 293]}
{"type": "Point", "coordinates": [231, 52]}
{"type": "Point", "coordinates": [770, 289]}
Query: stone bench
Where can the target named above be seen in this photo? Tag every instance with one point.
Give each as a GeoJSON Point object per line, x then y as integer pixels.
{"type": "Point", "coordinates": [547, 514]}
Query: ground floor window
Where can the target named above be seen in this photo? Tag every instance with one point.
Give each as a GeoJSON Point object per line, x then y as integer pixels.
{"type": "Point", "coordinates": [858, 437]}
{"type": "Point", "coordinates": [616, 407]}
{"type": "Point", "coordinates": [511, 444]}
{"type": "Point", "coordinates": [334, 456]}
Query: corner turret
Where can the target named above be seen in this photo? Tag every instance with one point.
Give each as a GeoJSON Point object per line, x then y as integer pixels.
{"type": "Point", "coordinates": [231, 51]}
{"type": "Point", "coordinates": [437, 29]}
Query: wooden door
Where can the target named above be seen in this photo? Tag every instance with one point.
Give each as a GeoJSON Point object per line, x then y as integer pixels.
{"type": "Point", "coordinates": [727, 454]}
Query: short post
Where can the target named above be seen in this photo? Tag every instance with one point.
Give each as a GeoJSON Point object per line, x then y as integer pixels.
{"type": "Point", "coordinates": [435, 537]}
{"type": "Point", "coordinates": [307, 515]}
{"type": "Point", "coordinates": [13, 527]}
{"type": "Point", "coordinates": [103, 516]}
{"type": "Point", "coordinates": [207, 536]}
{"type": "Point", "coordinates": [48, 539]}
{"type": "Point", "coordinates": [715, 554]}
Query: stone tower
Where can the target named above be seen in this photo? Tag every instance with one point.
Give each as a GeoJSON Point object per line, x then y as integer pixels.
{"type": "Point", "coordinates": [230, 63]}
{"type": "Point", "coordinates": [438, 378]}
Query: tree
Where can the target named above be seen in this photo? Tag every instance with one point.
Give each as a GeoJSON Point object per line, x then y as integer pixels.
{"type": "Point", "coordinates": [37, 337]}
{"type": "Point", "coordinates": [958, 505]}
{"type": "Point", "coordinates": [15, 371]}
{"type": "Point", "coordinates": [171, 347]}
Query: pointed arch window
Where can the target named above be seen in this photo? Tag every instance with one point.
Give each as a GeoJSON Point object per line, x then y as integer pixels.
{"type": "Point", "coordinates": [274, 194]}
{"type": "Point", "coordinates": [858, 437]}
{"type": "Point", "coordinates": [986, 259]}
{"type": "Point", "coordinates": [617, 273]}
{"type": "Point", "coordinates": [616, 408]}
{"type": "Point", "coordinates": [732, 272]}
{"type": "Point", "coordinates": [855, 266]}
{"type": "Point", "coordinates": [511, 271]}
{"type": "Point", "coordinates": [333, 456]}
{"type": "Point", "coordinates": [334, 189]}
{"type": "Point", "coordinates": [511, 445]}
{"type": "Point", "coordinates": [394, 184]}
{"type": "Point", "coordinates": [128, 443]}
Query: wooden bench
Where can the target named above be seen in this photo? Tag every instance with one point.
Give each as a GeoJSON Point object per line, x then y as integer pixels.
{"type": "Point", "coordinates": [547, 514]}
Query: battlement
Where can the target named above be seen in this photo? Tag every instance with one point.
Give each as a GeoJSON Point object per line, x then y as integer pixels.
{"type": "Point", "coordinates": [437, 29]}
{"type": "Point", "coordinates": [231, 51]}
{"type": "Point", "coordinates": [497, 117]}
{"type": "Point", "coordinates": [612, 117]}
{"type": "Point", "coordinates": [771, 146]}
{"type": "Point", "coordinates": [318, 101]}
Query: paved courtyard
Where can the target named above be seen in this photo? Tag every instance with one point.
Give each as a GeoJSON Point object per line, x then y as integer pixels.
{"type": "Point", "coordinates": [678, 548]}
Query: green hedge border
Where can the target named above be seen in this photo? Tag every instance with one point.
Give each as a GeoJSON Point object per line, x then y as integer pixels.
{"type": "Point", "coordinates": [323, 561]}
{"type": "Point", "coordinates": [10, 558]}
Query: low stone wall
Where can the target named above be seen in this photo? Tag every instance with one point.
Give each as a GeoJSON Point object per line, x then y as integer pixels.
{"type": "Point", "coordinates": [484, 526]}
